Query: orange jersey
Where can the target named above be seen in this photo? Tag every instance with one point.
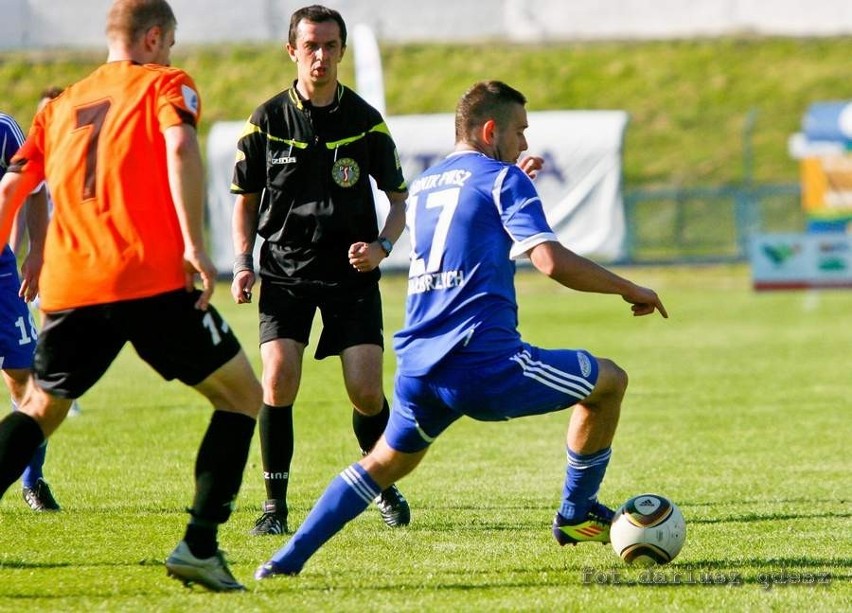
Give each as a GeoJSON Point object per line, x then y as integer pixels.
{"type": "Point", "coordinates": [114, 234]}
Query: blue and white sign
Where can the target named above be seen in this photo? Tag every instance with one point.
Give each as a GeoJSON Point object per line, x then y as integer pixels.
{"type": "Point", "coordinates": [801, 261]}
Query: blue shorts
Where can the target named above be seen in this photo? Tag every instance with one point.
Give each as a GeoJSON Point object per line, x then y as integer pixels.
{"type": "Point", "coordinates": [531, 381]}
{"type": "Point", "coordinates": [17, 328]}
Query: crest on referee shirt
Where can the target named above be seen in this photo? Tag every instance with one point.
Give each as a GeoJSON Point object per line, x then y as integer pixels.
{"type": "Point", "coordinates": [345, 172]}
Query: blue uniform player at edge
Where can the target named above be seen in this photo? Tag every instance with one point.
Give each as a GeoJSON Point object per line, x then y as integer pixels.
{"type": "Point", "coordinates": [460, 353]}
{"type": "Point", "coordinates": [17, 328]}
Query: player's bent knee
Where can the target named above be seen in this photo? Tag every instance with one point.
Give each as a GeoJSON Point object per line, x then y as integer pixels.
{"type": "Point", "coordinates": [611, 378]}
{"type": "Point", "coordinates": [386, 465]}
{"type": "Point", "coordinates": [368, 405]}
{"type": "Point", "coordinates": [281, 383]}
{"type": "Point", "coordinates": [47, 410]}
{"type": "Point", "coordinates": [234, 387]}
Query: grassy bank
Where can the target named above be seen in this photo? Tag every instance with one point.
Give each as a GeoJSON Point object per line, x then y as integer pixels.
{"type": "Point", "coordinates": [690, 101]}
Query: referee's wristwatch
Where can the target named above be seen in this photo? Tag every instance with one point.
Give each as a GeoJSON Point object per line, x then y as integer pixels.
{"type": "Point", "coordinates": [385, 244]}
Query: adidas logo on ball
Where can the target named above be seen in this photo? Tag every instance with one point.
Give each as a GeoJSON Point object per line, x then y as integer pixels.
{"type": "Point", "coordinates": [648, 529]}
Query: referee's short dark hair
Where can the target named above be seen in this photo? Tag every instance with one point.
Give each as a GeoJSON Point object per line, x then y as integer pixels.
{"type": "Point", "coordinates": [316, 13]}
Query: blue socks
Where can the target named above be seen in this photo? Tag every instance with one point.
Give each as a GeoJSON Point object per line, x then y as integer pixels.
{"type": "Point", "coordinates": [345, 498]}
{"type": "Point", "coordinates": [33, 472]}
{"type": "Point", "coordinates": [582, 482]}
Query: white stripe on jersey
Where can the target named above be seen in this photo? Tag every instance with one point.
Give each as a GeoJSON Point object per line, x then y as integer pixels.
{"type": "Point", "coordinates": [553, 377]}
{"type": "Point", "coordinates": [10, 127]}
{"type": "Point", "coordinates": [520, 248]}
{"type": "Point", "coordinates": [354, 480]}
{"type": "Point", "coordinates": [497, 187]}
{"type": "Point", "coordinates": [14, 128]}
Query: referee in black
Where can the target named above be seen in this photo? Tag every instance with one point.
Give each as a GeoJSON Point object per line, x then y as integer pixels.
{"type": "Point", "coordinates": [301, 181]}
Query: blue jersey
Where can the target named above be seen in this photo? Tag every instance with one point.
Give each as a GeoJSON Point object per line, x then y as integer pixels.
{"type": "Point", "coordinates": [468, 217]}
{"type": "Point", "coordinates": [17, 330]}
{"type": "Point", "coordinates": [11, 139]}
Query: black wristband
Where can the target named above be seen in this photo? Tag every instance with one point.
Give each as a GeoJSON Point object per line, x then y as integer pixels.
{"type": "Point", "coordinates": [243, 261]}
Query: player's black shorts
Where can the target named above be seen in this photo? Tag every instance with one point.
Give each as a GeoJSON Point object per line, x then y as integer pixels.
{"type": "Point", "coordinates": [76, 346]}
{"type": "Point", "coordinates": [349, 318]}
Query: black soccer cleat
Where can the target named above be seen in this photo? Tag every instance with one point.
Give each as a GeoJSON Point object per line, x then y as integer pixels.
{"type": "Point", "coordinates": [273, 521]}
{"type": "Point", "coordinates": [40, 498]}
{"type": "Point", "coordinates": [394, 507]}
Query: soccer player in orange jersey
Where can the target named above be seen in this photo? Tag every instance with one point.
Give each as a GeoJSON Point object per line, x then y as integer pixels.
{"type": "Point", "coordinates": [120, 153]}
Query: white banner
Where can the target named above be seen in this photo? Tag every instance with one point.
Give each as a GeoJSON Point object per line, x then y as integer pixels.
{"type": "Point", "coordinates": [580, 184]}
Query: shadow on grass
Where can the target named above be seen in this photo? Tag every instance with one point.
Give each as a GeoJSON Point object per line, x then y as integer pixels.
{"type": "Point", "coordinates": [24, 565]}
{"type": "Point", "coordinates": [754, 517]}
{"type": "Point", "coordinates": [816, 574]}
{"type": "Point", "coordinates": [777, 563]}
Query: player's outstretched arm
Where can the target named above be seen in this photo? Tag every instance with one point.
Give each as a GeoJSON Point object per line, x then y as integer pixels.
{"type": "Point", "coordinates": [581, 274]}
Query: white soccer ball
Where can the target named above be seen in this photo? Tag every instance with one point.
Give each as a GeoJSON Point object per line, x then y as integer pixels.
{"type": "Point", "coordinates": [648, 529]}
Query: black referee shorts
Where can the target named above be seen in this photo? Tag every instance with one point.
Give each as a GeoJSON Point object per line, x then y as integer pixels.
{"type": "Point", "coordinates": [349, 317]}
{"type": "Point", "coordinates": [76, 346]}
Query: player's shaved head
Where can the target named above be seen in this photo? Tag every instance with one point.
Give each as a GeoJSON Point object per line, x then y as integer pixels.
{"type": "Point", "coordinates": [485, 100]}
{"type": "Point", "coordinates": [129, 19]}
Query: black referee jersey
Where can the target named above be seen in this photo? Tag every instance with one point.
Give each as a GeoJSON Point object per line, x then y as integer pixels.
{"type": "Point", "coordinates": [312, 165]}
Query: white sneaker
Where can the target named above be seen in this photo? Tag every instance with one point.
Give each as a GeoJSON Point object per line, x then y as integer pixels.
{"type": "Point", "coordinates": [212, 572]}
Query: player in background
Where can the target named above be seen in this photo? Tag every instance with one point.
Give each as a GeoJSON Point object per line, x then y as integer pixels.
{"type": "Point", "coordinates": [17, 328]}
{"type": "Point", "coordinates": [120, 152]}
{"type": "Point", "coordinates": [459, 351]}
{"type": "Point", "coordinates": [16, 239]}
{"type": "Point", "coordinates": [302, 179]}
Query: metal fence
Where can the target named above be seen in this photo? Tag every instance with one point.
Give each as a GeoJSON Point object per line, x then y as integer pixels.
{"type": "Point", "coordinates": [713, 224]}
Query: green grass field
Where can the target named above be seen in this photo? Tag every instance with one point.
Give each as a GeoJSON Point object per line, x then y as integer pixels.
{"type": "Point", "coordinates": [738, 410]}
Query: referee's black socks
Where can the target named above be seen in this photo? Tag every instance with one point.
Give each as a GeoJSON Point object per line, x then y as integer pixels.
{"type": "Point", "coordinates": [369, 428]}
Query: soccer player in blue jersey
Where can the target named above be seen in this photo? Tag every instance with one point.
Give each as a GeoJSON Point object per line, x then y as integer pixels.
{"type": "Point", "coordinates": [460, 353]}
{"type": "Point", "coordinates": [17, 329]}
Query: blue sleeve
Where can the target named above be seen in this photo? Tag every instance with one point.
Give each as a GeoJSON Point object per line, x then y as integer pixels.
{"type": "Point", "coordinates": [11, 139]}
{"type": "Point", "coordinates": [521, 211]}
